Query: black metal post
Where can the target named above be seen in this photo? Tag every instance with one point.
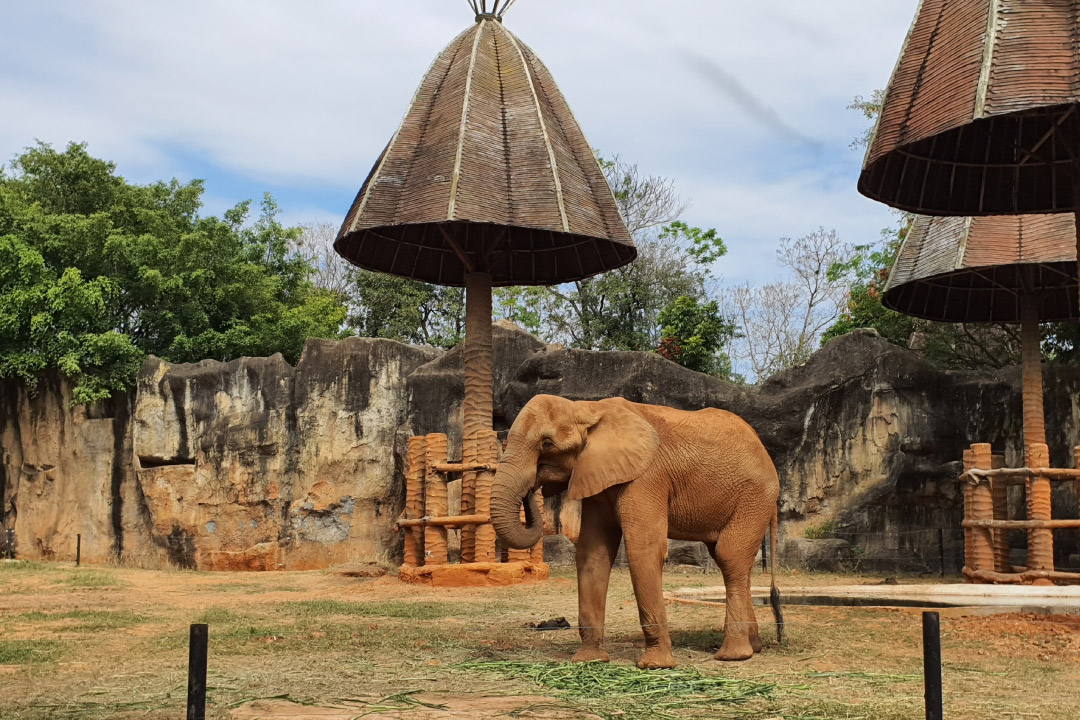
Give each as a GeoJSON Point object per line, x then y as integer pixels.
{"type": "Point", "coordinates": [11, 543]}
{"type": "Point", "coordinates": [941, 549]}
{"type": "Point", "coordinates": [931, 639]}
{"type": "Point", "coordinates": [764, 552]}
{"type": "Point", "coordinates": [78, 550]}
{"type": "Point", "coordinates": [196, 684]}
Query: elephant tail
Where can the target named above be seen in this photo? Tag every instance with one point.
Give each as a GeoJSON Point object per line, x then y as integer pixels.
{"type": "Point", "coordinates": [774, 593]}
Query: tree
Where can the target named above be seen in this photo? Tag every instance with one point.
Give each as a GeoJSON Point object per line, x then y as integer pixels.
{"type": "Point", "coordinates": [98, 272]}
{"type": "Point", "coordinates": [619, 309]}
{"type": "Point", "coordinates": [782, 322]}
{"type": "Point", "coordinates": [694, 335]}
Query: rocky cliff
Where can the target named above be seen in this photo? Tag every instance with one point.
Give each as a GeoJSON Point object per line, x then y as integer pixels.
{"type": "Point", "coordinates": [255, 464]}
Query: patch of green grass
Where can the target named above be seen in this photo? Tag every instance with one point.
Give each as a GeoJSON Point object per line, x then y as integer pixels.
{"type": "Point", "coordinates": [249, 588]}
{"type": "Point", "coordinates": [27, 652]}
{"type": "Point", "coordinates": [820, 531]}
{"type": "Point", "coordinates": [88, 620]}
{"type": "Point", "coordinates": [617, 691]}
{"type": "Point", "coordinates": [14, 566]}
{"type": "Point", "coordinates": [406, 610]}
{"type": "Point", "coordinates": [90, 579]}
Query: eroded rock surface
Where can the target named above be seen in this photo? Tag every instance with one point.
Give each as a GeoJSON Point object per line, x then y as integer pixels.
{"type": "Point", "coordinates": [255, 464]}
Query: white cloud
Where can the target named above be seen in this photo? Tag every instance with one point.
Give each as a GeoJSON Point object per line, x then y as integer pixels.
{"type": "Point", "coordinates": [304, 95]}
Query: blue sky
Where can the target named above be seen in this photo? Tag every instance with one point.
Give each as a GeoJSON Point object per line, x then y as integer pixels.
{"type": "Point", "coordinates": [742, 104]}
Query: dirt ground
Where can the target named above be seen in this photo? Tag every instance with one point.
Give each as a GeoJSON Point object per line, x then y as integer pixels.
{"type": "Point", "coordinates": [112, 643]}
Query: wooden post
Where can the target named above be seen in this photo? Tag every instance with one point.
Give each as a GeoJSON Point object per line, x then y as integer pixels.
{"type": "Point", "coordinates": [484, 547]}
{"type": "Point", "coordinates": [435, 500]}
{"type": "Point", "coordinates": [931, 636]}
{"type": "Point", "coordinates": [982, 508]}
{"type": "Point", "coordinates": [198, 642]}
{"type": "Point", "coordinates": [1040, 540]}
{"type": "Point", "coordinates": [414, 501]}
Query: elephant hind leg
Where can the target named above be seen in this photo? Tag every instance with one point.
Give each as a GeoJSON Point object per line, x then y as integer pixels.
{"type": "Point", "coordinates": [735, 555]}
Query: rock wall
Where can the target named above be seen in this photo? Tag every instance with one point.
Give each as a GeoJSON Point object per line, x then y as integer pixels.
{"type": "Point", "coordinates": [255, 464]}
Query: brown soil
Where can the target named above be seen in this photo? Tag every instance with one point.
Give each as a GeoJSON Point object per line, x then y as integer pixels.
{"type": "Point", "coordinates": [112, 643]}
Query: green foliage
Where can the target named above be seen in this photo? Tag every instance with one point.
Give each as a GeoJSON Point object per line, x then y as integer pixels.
{"type": "Point", "coordinates": [694, 334]}
{"type": "Point", "coordinates": [869, 266]}
{"type": "Point", "coordinates": [406, 310]}
{"type": "Point", "coordinates": [96, 272]}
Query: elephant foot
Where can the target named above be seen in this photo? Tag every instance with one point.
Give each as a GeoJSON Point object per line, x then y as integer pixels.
{"type": "Point", "coordinates": [735, 650]}
{"type": "Point", "coordinates": [755, 643]}
{"type": "Point", "coordinates": [656, 658]}
{"type": "Point", "coordinates": [590, 654]}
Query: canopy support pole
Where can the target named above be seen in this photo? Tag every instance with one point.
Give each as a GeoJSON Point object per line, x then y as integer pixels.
{"type": "Point", "coordinates": [478, 406]}
{"type": "Point", "coordinates": [1040, 540]}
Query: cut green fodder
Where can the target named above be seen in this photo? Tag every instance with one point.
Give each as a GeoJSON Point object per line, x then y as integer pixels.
{"type": "Point", "coordinates": [616, 691]}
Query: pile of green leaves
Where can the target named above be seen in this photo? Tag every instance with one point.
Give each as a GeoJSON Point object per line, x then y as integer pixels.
{"type": "Point", "coordinates": [617, 691]}
{"type": "Point", "coordinates": [97, 272]}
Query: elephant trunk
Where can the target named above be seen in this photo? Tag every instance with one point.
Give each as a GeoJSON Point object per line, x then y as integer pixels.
{"type": "Point", "coordinates": [511, 487]}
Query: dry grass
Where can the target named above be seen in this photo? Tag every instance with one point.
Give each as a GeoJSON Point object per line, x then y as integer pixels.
{"type": "Point", "coordinates": [112, 643]}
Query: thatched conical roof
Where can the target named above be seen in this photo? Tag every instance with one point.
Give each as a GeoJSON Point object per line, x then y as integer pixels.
{"type": "Point", "coordinates": [489, 172]}
{"type": "Point", "coordinates": [978, 269]}
{"type": "Point", "coordinates": [980, 117]}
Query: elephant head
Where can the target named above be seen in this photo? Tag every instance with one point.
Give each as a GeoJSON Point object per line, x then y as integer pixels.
{"type": "Point", "coordinates": [554, 442]}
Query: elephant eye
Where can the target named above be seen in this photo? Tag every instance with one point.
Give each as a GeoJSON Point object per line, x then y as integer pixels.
{"type": "Point", "coordinates": [548, 445]}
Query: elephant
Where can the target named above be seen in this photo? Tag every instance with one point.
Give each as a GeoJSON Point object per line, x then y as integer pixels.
{"type": "Point", "coordinates": [644, 474]}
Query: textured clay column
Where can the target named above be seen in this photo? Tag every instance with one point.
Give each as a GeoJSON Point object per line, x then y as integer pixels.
{"type": "Point", "coordinates": [469, 454]}
{"type": "Point", "coordinates": [478, 405]}
{"type": "Point", "coordinates": [1034, 423]}
{"type": "Point", "coordinates": [982, 508]}
{"type": "Point", "coordinates": [1000, 493]}
{"type": "Point", "coordinates": [485, 534]}
{"type": "Point", "coordinates": [969, 533]}
{"type": "Point", "coordinates": [537, 555]}
{"type": "Point", "coordinates": [1040, 540]}
{"type": "Point", "coordinates": [1076, 464]}
{"type": "Point", "coordinates": [414, 501]}
{"type": "Point", "coordinates": [435, 501]}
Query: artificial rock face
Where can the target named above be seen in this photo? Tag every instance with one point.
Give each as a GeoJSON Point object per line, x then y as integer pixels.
{"type": "Point", "coordinates": [255, 464]}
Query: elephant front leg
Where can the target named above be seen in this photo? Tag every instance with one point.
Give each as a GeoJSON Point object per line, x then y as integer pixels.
{"type": "Point", "coordinates": [646, 548]}
{"type": "Point", "coordinates": [597, 547]}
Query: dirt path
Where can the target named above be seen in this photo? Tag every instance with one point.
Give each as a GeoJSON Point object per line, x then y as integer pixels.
{"type": "Point", "coordinates": [111, 643]}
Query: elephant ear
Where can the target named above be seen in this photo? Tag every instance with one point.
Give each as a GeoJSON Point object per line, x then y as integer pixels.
{"type": "Point", "coordinates": [620, 447]}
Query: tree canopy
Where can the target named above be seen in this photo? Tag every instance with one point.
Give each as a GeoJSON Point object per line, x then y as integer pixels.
{"type": "Point", "coordinates": [97, 272]}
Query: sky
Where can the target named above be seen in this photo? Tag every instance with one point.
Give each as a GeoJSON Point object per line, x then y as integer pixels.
{"type": "Point", "coordinates": [742, 104]}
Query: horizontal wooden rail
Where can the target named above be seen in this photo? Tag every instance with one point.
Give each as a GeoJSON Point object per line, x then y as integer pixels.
{"type": "Point", "coordinates": [464, 467]}
{"type": "Point", "coordinates": [996, 577]}
{"type": "Point", "coordinates": [452, 521]}
{"type": "Point", "coordinates": [976, 475]}
{"type": "Point", "coordinates": [1022, 524]}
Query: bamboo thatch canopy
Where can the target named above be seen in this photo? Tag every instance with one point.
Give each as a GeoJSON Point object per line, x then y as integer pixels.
{"type": "Point", "coordinates": [489, 172]}
{"type": "Point", "coordinates": [981, 269]}
{"type": "Point", "coordinates": [980, 117]}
